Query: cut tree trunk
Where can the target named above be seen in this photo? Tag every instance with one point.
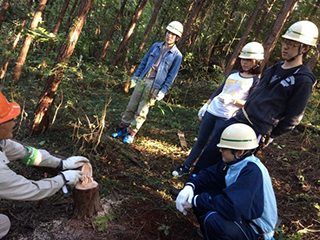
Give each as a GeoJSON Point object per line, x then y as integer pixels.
{"type": "Point", "coordinates": [86, 196]}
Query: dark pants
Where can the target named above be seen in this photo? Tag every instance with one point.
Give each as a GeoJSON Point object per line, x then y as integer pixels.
{"type": "Point", "coordinates": [211, 154]}
{"type": "Point", "coordinates": [215, 226]}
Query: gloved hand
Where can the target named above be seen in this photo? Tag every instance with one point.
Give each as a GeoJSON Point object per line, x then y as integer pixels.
{"type": "Point", "coordinates": [133, 82]}
{"type": "Point", "coordinates": [160, 96]}
{"type": "Point", "coordinates": [184, 199]}
{"type": "Point", "coordinates": [73, 162]}
{"type": "Point", "coordinates": [72, 177]}
{"type": "Point", "coordinates": [226, 99]}
{"type": "Point", "coordinates": [202, 111]}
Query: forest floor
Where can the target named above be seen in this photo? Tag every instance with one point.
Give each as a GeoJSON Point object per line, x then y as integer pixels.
{"type": "Point", "coordinates": [135, 182]}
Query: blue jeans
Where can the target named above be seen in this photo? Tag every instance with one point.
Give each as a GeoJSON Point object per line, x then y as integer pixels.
{"type": "Point", "coordinates": [209, 125]}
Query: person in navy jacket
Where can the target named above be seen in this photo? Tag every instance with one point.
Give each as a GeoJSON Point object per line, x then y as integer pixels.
{"type": "Point", "coordinates": [278, 103]}
{"type": "Point", "coordinates": [233, 199]}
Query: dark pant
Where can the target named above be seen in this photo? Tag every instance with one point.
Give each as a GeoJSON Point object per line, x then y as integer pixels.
{"type": "Point", "coordinates": [211, 154]}
{"type": "Point", "coordinates": [215, 226]}
{"type": "Point", "coordinates": [208, 127]}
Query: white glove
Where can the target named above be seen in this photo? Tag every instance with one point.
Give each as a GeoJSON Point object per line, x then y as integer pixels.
{"type": "Point", "coordinates": [73, 162]}
{"type": "Point", "coordinates": [202, 111]}
{"type": "Point", "coordinates": [226, 99]}
{"type": "Point", "coordinates": [184, 199]}
{"type": "Point", "coordinates": [72, 176]}
{"type": "Point", "coordinates": [133, 82]}
{"type": "Point", "coordinates": [160, 96]}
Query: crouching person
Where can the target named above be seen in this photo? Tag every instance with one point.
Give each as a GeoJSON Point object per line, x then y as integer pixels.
{"type": "Point", "coordinates": [17, 187]}
{"type": "Point", "coordinates": [233, 199]}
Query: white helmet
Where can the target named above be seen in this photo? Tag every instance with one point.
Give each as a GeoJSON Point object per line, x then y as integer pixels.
{"type": "Point", "coordinates": [238, 136]}
{"type": "Point", "coordinates": [252, 50]}
{"type": "Point", "coordinates": [176, 28]}
{"type": "Point", "coordinates": [304, 32]}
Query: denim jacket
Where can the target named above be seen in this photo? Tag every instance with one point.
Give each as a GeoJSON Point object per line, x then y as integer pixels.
{"type": "Point", "coordinates": [168, 67]}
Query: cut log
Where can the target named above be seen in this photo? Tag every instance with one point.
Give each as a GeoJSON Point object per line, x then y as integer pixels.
{"type": "Point", "coordinates": [86, 196]}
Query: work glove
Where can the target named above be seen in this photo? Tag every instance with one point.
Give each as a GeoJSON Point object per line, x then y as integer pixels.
{"type": "Point", "coordinates": [202, 111]}
{"type": "Point", "coordinates": [226, 99]}
{"type": "Point", "coordinates": [72, 177]}
{"type": "Point", "coordinates": [160, 96]}
{"type": "Point", "coordinates": [73, 162]}
{"type": "Point", "coordinates": [184, 199]}
{"type": "Point", "coordinates": [133, 82]}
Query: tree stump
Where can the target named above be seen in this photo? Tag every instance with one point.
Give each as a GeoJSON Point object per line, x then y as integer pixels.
{"type": "Point", "coordinates": [86, 195]}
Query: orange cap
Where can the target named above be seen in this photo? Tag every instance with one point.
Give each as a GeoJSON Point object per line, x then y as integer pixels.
{"type": "Point", "coordinates": [8, 110]}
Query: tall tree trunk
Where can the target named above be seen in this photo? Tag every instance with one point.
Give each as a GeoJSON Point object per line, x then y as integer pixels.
{"type": "Point", "coordinates": [14, 45]}
{"type": "Point", "coordinates": [26, 45]}
{"type": "Point", "coordinates": [312, 63]}
{"type": "Point", "coordinates": [243, 39]}
{"type": "Point", "coordinates": [129, 32]}
{"type": "Point", "coordinates": [60, 19]}
{"type": "Point", "coordinates": [41, 118]}
{"type": "Point", "coordinates": [146, 34]}
{"type": "Point", "coordinates": [264, 17]}
{"type": "Point", "coordinates": [112, 29]}
{"type": "Point", "coordinates": [193, 16]}
{"type": "Point", "coordinates": [4, 9]}
{"type": "Point", "coordinates": [285, 12]}
{"type": "Point", "coordinates": [71, 14]}
{"type": "Point", "coordinates": [56, 28]}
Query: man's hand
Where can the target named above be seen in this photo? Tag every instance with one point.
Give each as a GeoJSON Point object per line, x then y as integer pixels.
{"type": "Point", "coordinates": [202, 111]}
{"type": "Point", "coordinates": [160, 96]}
{"type": "Point", "coordinates": [72, 177]}
{"type": "Point", "coordinates": [133, 83]}
{"type": "Point", "coordinates": [73, 162]}
{"type": "Point", "coordinates": [184, 199]}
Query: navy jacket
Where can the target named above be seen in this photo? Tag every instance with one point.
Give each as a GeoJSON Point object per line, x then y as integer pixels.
{"type": "Point", "coordinates": [277, 104]}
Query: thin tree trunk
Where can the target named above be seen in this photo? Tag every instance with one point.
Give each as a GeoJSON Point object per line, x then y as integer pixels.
{"type": "Point", "coordinates": [146, 34]}
{"type": "Point", "coordinates": [27, 43]}
{"type": "Point", "coordinates": [4, 9]}
{"type": "Point", "coordinates": [14, 45]}
{"type": "Point", "coordinates": [193, 16]}
{"type": "Point", "coordinates": [312, 63]}
{"type": "Point", "coordinates": [264, 17]}
{"type": "Point", "coordinates": [243, 39]}
{"type": "Point", "coordinates": [285, 12]}
{"type": "Point", "coordinates": [129, 33]}
{"type": "Point", "coordinates": [56, 29]}
{"type": "Point", "coordinates": [112, 29]}
{"type": "Point", "coordinates": [71, 14]}
{"type": "Point", "coordinates": [41, 115]}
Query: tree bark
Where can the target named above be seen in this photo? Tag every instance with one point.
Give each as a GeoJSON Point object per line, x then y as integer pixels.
{"type": "Point", "coordinates": [112, 29]}
{"type": "Point", "coordinates": [193, 16]}
{"type": "Point", "coordinates": [312, 63]}
{"type": "Point", "coordinates": [146, 34]}
{"type": "Point", "coordinates": [129, 32]}
{"type": "Point", "coordinates": [41, 118]}
{"type": "Point", "coordinates": [285, 12]}
{"type": "Point", "coordinates": [4, 9]}
{"type": "Point", "coordinates": [86, 195]}
{"type": "Point", "coordinates": [243, 38]}
{"type": "Point", "coordinates": [27, 43]}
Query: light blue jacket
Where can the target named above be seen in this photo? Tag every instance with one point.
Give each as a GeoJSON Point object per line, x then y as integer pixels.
{"type": "Point", "coordinates": [168, 67]}
{"type": "Point", "coordinates": [246, 193]}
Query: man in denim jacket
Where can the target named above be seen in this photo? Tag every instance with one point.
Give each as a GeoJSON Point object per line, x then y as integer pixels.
{"type": "Point", "coordinates": [152, 81]}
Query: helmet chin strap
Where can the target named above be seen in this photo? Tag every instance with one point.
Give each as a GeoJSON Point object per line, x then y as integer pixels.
{"type": "Point", "coordinates": [236, 159]}
{"type": "Point", "coordinates": [299, 53]}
